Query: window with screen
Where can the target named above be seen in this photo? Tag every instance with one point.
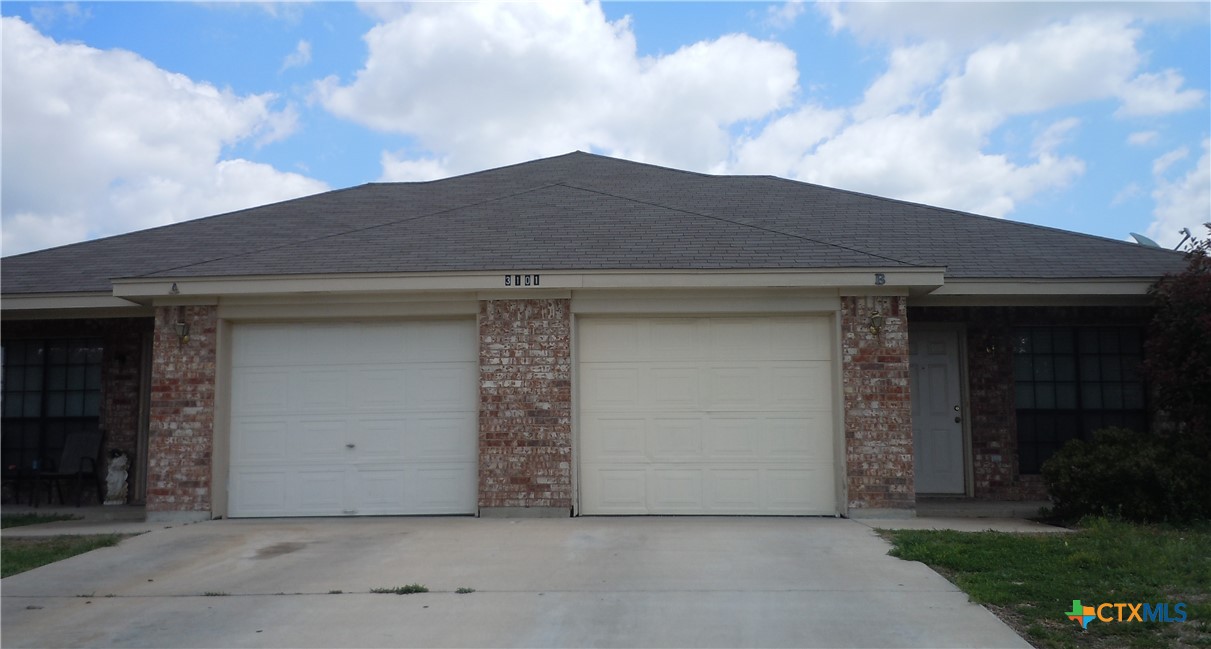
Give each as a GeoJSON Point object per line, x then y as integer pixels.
{"type": "Point", "coordinates": [50, 388]}
{"type": "Point", "coordinates": [1071, 381]}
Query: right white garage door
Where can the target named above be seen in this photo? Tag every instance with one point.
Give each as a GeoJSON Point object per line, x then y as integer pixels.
{"type": "Point", "coordinates": [721, 415]}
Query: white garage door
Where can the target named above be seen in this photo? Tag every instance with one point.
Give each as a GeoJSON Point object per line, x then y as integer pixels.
{"type": "Point", "coordinates": [706, 416]}
{"type": "Point", "coordinates": [353, 418]}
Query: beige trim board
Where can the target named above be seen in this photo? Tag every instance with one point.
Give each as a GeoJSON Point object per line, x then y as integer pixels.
{"type": "Point", "coordinates": [69, 305]}
{"type": "Point", "coordinates": [1065, 287]}
{"type": "Point", "coordinates": [494, 281]}
{"type": "Point", "coordinates": [320, 309]}
{"type": "Point", "coordinates": [702, 302]}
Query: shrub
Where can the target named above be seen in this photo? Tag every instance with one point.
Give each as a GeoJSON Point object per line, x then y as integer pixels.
{"type": "Point", "coordinates": [1125, 474]}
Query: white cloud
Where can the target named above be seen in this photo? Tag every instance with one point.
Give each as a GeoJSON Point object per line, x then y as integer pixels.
{"type": "Point", "coordinates": [99, 142]}
{"type": "Point", "coordinates": [1054, 135]}
{"type": "Point", "coordinates": [1157, 94]}
{"type": "Point", "coordinates": [481, 84]}
{"type": "Point", "coordinates": [1184, 202]}
{"type": "Point", "coordinates": [50, 14]}
{"type": "Point", "coordinates": [1142, 138]}
{"type": "Point", "coordinates": [1126, 194]}
{"type": "Point", "coordinates": [299, 57]}
{"type": "Point", "coordinates": [924, 129]}
{"type": "Point", "coordinates": [1162, 164]}
{"type": "Point", "coordinates": [400, 169]}
{"type": "Point", "coordinates": [782, 16]}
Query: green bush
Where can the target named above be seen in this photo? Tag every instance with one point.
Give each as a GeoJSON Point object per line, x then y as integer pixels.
{"type": "Point", "coordinates": [1125, 474]}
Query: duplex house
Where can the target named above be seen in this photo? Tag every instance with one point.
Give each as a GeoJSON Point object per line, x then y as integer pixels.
{"type": "Point", "coordinates": [577, 335]}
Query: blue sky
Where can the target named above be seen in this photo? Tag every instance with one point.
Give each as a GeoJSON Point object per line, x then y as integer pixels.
{"type": "Point", "coordinates": [1091, 117]}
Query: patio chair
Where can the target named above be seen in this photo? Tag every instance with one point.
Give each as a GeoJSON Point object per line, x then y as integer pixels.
{"type": "Point", "coordinates": [81, 453]}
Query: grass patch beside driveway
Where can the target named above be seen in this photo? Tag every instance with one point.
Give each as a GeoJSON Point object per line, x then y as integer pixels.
{"type": "Point", "coordinates": [1030, 580]}
{"type": "Point", "coordinates": [20, 554]}
{"type": "Point", "coordinates": [21, 520]}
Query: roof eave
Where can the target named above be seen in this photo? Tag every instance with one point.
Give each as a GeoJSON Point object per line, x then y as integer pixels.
{"type": "Point", "coordinates": [892, 279]}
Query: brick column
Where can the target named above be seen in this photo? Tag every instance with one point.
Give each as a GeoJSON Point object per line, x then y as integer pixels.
{"type": "Point", "coordinates": [878, 413]}
{"type": "Point", "coordinates": [525, 412]}
{"type": "Point", "coordinates": [181, 432]}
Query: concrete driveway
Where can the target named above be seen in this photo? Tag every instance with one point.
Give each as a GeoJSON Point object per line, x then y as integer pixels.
{"type": "Point", "coordinates": [619, 582]}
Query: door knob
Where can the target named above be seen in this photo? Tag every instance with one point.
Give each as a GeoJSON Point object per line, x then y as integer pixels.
{"type": "Point", "coordinates": [958, 419]}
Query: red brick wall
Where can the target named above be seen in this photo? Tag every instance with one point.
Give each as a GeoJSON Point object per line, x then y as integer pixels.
{"type": "Point", "coordinates": [525, 412]}
{"type": "Point", "coordinates": [123, 342]}
{"type": "Point", "coordinates": [994, 443]}
{"type": "Point", "coordinates": [181, 435]}
{"type": "Point", "coordinates": [878, 413]}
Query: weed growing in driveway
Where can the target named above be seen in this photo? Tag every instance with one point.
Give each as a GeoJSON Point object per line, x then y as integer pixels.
{"type": "Point", "coordinates": [1030, 580]}
{"type": "Point", "coordinates": [20, 554]}
{"type": "Point", "coordinates": [401, 590]}
{"type": "Point", "coordinates": [335, 592]}
{"type": "Point", "coordinates": [215, 593]}
{"type": "Point", "coordinates": [465, 591]}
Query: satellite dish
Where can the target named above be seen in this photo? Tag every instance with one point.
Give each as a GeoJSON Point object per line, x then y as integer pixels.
{"type": "Point", "coordinates": [1145, 241]}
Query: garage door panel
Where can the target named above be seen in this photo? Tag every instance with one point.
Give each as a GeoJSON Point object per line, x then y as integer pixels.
{"type": "Point", "coordinates": [734, 386]}
{"type": "Point", "coordinates": [262, 391]}
{"type": "Point", "coordinates": [794, 490]}
{"type": "Point", "coordinates": [806, 436]}
{"type": "Point", "coordinates": [380, 439]}
{"type": "Point", "coordinates": [613, 387]}
{"type": "Point", "coordinates": [259, 491]}
{"type": "Point", "coordinates": [437, 341]}
{"type": "Point", "coordinates": [616, 341]}
{"type": "Point", "coordinates": [805, 385]}
{"type": "Point", "coordinates": [734, 491]}
{"type": "Point", "coordinates": [732, 437]}
{"type": "Point", "coordinates": [800, 339]}
{"type": "Point", "coordinates": [734, 415]}
{"type": "Point", "coordinates": [318, 491]}
{"type": "Point", "coordinates": [614, 438]}
{"type": "Point", "coordinates": [338, 418]}
{"type": "Point", "coordinates": [440, 438]}
{"type": "Point", "coordinates": [320, 439]}
{"type": "Point", "coordinates": [672, 388]}
{"type": "Point", "coordinates": [380, 491]}
{"type": "Point", "coordinates": [442, 488]}
{"type": "Point", "coordinates": [379, 388]}
{"type": "Point", "coordinates": [265, 441]}
{"type": "Point", "coordinates": [674, 439]}
{"type": "Point", "coordinates": [675, 490]}
{"type": "Point", "coordinates": [673, 339]}
{"type": "Point", "coordinates": [615, 489]}
{"type": "Point", "coordinates": [324, 390]}
{"type": "Point", "coordinates": [441, 386]}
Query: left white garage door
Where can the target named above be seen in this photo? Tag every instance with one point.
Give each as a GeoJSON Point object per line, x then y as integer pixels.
{"type": "Point", "coordinates": [353, 419]}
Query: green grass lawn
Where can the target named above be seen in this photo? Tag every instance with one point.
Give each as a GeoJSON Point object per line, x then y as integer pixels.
{"type": "Point", "coordinates": [19, 554]}
{"type": "Point", "coordinates": [18, 520]}
{"type": "Point", "coordinates": [1030, 580]}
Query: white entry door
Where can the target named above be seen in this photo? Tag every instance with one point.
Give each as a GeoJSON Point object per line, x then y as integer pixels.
{"type": "Point", "coordinates": [937, 416]}
{"type": "Point", "coordinates": [353, 418]}
{"type": "Point", "coordinates": [722, 415]}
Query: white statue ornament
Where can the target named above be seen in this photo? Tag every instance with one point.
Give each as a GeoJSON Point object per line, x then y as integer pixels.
{"type": "Point", "coordinates": [115, 479]}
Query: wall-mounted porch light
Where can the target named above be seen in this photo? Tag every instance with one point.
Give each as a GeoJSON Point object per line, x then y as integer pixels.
{"type": "Point", "coordinates": [876, 323]}
{"type": "Point", "coordinates": [182, 329]}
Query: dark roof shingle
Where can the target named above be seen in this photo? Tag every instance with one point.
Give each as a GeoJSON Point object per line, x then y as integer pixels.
{"type": "Point", "coordinates": [583, 212]}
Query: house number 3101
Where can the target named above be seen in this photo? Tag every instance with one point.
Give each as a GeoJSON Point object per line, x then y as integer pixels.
{"type": "Point", "coordinates": [521, 280]}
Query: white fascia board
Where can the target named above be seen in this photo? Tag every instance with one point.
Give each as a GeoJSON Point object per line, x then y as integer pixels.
{"type": "Point", "coordinates": [1042, 292]}
{"type": "Point", "coordinates": [495, 281]}
{"type": "Point", "coordinates": [69, 305]}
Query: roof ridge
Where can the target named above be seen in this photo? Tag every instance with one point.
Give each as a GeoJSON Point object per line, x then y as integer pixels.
{"type": "Point", "coordinates": [747, 225]}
